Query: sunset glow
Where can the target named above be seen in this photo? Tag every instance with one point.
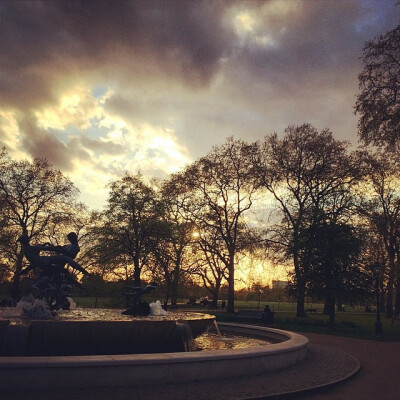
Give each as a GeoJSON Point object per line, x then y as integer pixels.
{"type": "Point", "coordinates": [150, 87]}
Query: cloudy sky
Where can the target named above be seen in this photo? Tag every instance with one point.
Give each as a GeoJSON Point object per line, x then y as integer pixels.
{"type": "Point", "coordinates": [104, 87]}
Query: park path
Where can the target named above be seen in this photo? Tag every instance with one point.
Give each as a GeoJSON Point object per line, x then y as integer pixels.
{"type": "Point", "coordinates": [378, 377]}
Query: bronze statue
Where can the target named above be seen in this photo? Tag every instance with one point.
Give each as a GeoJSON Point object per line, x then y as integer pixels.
{"type": "Point", "coordinates": [139, 307]}
{"type": "Point", "coordinates": [54, 281]}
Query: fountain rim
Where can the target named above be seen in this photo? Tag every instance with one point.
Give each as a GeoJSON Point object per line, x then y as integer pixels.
{"type": "Point", "coordinates": [22, 374]}
{"type": "Point", "coordinates": [291, 342]}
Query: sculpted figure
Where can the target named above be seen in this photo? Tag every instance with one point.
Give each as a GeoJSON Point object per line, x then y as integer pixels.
{"type": "Point", "coordinates": [48, 263]}
{"type": "Point", "coordinates": [70, 250]}
{"type": "Point", "coordinates": [139, 307]}
{"type": "Point", "coordinates": [53, 283]}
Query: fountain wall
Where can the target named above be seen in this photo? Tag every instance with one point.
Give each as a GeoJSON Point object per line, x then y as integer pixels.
{"type": "Point", "coordinates": [146, 369]}
{"type": "Point", "coordinates": [77, 338]}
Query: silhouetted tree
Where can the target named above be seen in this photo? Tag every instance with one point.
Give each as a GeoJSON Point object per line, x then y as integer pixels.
{"type": "Point", "coordinates": [333, 253]}
{"type": "Point", "coordinates": [171, 244]}
{"type": "Point", "coordinates": [217, 191]}
{"type": "Point", "coordinates": [33, 196]}
{"type": "Point", "coordinates": [381, 208]}
{"type": "Point", "coordinates": [378, 103]}
{"type": "Point", "coordinates": [124, 238]}
{"type": "Point", "coordinates": [208, 265]}
{"type": "Point", "coordinates": [307, 173]}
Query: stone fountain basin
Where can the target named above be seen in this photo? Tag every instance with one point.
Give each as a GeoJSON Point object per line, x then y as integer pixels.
{"type": "Point", "coordinates": [72, 337]}
{"type": "Point", "coordinates": [46, 373]}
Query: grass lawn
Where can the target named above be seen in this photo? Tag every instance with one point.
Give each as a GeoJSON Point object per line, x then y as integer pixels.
{"type": "Point", "coordinates": [354, 322]}
{"type": "Point", "coordinates": [347, 324]}
{"type": "Point", "coordinates": [286, 306]}
{"type": "Point", "coordinates": [102, 302]}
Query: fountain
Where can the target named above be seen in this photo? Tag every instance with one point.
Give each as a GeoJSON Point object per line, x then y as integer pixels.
{"type": "Point", "coordinates": [38, 331]}
{"type": "Point", "coordinates": [77, 349]}
{"type": "Point", "coordinates": [82, 353]}
{"type": "Point", "coordinates": [74, 334]}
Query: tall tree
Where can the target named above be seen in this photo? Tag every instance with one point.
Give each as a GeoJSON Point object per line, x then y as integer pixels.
{"type": "Point", "coordinates": [218, 192]}
{"type": "Point", "coordinates": [208, 265]}
{"type": "Point", "coordinates": [378, 102]}
{"type": "Point", "coordinates": [333, 252]}
{"type": "Point", "coordinates": [381, 208]}
{"type": "Point", "coordinates": [307, 173]}
{"type": "Point", "coordinates": [130, 218]}
{"type": "Point", "coordinates": [172, 243]}
{"type": "Point", "coordinates": [33, 196]}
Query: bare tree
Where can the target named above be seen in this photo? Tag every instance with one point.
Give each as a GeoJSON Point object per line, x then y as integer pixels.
{"type": "Point", "coordinates": [208, 265]}
{"type": "Point", "coordinates": [378, 102]}
{"type": "Point", "coordinates": [217, 192]}
{"type": "Point", "coordinates": [381, 208]}
{"type": "Point", "coordinates": [172, 243]}
{"type": "Point", "coordinates": [34, 196]}
{"type": "Point", "coordinates": [307, 173]}
{"type": "Point", "coordinates": [125, 237]}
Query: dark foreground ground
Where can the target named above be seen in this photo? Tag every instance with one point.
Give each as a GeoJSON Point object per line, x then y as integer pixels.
{"type": "Point", "coordinates": [378, 378]}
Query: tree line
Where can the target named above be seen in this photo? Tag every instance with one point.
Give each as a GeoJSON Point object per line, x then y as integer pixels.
{"type": "Point", "coordinates": [304, 197]}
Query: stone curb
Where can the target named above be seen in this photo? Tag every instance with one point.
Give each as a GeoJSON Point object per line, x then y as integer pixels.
{"type": "Point", "coordinates": [353, 371]}
{"type": "Point", "coordinates": [325, 368]}
{"type": "Point", "coordinates": [19, 374]}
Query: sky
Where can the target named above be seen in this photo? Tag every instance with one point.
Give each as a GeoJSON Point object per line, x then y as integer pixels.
{"type": "Point", "coordinates": [101, 88]}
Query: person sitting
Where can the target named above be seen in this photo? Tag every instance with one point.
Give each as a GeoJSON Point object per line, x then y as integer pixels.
{"type": "Point", "coordinates": [267, 316]}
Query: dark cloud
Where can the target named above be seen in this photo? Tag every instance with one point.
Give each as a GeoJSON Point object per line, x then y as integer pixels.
{"type": "Point", "coordinates": [41, 39]}
{"type": "Point", "coordinates": [180, 39]}
{"type": "Point", "coordinates": [43, 42]}
{"type": "Point", "coordinates": [317, 39]}
{"type": "Point", "coordinates": [183, 61]}
{"type": "Point", "coordinates": [42, 144]}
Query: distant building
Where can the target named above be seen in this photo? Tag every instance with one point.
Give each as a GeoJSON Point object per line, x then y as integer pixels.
{"type": "Point", "coordinates": [280, 284]}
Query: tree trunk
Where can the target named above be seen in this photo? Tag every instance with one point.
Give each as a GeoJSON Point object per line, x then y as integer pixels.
{"type": "Point", "coordinates": [175, 285]}
{"type": "Point", "coordinates": [14, 289]}
{"type": "Point", "coordinates": [166, 297]}
{"type": "Point", "coordinates": [214, 303]}
{"type": "Point", "coordinates": [174, 293]}
{"type": "Point", "coordinates": [231, 288]}
{"type": "Point", "coordinates": [300, 287]}
{"type": "Point", "coordinates": [136, 272]}
{"type": "Point", "coordinates": [300, 309]}
{"type": "Point", "coordinates": [389, 296]}
{"type": "Point", "coordinates": [397, 298]}
{"type": "Point", "coordinates": [391, 281]}
{"type": "Point", "coordinates": [330, 306]}
{"type": "Point", "coordinates": [301, 296]}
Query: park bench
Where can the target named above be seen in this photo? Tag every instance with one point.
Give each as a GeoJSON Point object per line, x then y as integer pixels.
{"type": "Point", "coordinates": [311, 310]}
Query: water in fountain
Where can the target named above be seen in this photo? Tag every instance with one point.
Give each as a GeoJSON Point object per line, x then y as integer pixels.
{"type": "Point", "coordinates": [156, 308]}
{"type": "Point", "coordinates": [33, 308]}
{"type": "Point", "coordinates": [97, 331]}
{"type": "Point", "coordinates": [186, 335]}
